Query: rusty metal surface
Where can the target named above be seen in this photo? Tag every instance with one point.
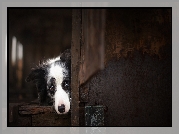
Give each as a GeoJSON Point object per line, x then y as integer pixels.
{"type": "Point", "coordinates": [145, 30]}
{"type": "Point", "coordinates": [93, 41]}
{"type": "Point", "coordinates": [84, 90]}
{"type": "Point", "coordinates": [136, 84]}
{"type": "Point", "coordinates": [136, 92]}
{"type": "Point", "coordinates": [75, 58]}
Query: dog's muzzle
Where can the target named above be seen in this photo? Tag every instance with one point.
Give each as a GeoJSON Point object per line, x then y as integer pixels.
{"type": "Point", "coordinates": [61, 108]}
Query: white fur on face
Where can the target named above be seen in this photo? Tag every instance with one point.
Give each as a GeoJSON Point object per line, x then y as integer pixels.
{"type": "Point", "coordinates": [60, 97]}
{"type": "Point", "coordinates": [50, 61]}
{"type": "Point", "coordinates": [56, 72]}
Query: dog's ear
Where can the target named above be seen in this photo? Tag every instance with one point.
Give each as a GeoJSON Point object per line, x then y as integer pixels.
{"type": "Point", "coordinates": [35, 74]}
{"type": "Point", "coordinates": [66, 56]}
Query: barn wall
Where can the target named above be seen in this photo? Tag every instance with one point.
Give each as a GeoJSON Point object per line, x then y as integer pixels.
{"type": "Point", "coordinates": [135, 86]}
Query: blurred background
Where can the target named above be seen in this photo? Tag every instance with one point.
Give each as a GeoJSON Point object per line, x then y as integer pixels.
{"type": "Point", "coordinates": [34, 35]}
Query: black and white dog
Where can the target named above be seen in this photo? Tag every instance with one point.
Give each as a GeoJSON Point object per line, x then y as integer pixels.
{"type": "Point", "coordinates": [53, 79]}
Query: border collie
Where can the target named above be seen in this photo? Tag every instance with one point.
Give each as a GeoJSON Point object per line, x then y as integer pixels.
{"type": "Point", "coordinates": [53, 79]}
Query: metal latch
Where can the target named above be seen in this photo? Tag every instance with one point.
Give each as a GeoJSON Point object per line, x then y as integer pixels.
{"type": "Point", "coordinates": [94, 115]}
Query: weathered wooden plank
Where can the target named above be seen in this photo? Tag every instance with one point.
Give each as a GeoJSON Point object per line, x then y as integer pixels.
{"type": "Point", "coordinates": [92, 47]}
{"type": "Point", "coordinates": [75, 56]}
{"type": "Point", "coordinates": [15, 119]}
{"type": "Point", "coordinates": [32, 110]}
{"type": "Point", "coordinates": [13, 112]}
{"type": "Point", "coordinates": [50, 119]}
{"type": "Point", "coordinates": [41, 116]}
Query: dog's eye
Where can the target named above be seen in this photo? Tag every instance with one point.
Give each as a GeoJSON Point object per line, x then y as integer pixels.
{"type": "Point", "coordinates": [66, 84]}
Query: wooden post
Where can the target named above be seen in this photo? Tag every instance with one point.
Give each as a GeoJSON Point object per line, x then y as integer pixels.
{"type": "Point", "coordinates": [75, 58]}
{"type": "Point", "coordinates": [87, 52]}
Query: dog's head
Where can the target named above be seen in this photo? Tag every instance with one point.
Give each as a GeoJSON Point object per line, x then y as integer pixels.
{"type": "Point", "coordinates": [53, 80]}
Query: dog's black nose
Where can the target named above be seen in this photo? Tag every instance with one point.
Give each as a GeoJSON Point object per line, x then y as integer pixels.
{"type": "Point", "coordinates": [61, 108]}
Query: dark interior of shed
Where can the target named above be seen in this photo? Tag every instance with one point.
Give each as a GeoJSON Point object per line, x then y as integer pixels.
{"type": "Point", "coordinates": [35, 34]}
